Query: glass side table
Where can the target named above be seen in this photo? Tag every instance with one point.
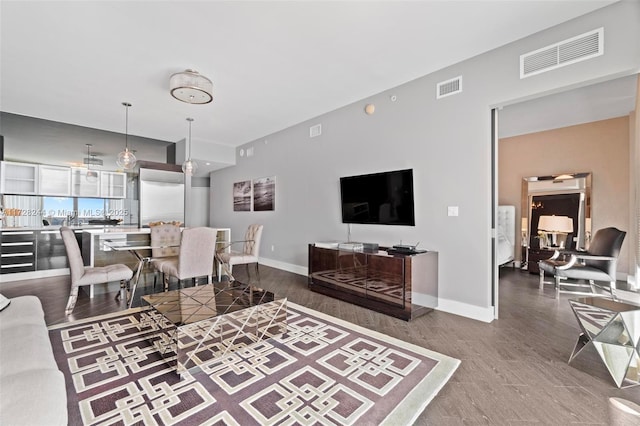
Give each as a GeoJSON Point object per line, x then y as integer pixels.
{"type": "Point", "coordinates": [613, 328]}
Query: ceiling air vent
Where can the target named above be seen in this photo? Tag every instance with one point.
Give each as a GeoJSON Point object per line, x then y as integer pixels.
{"type": "Point", "coordinates": [315, 130]}
{"type": "Point", "coordinates": [576, 49]}
{"type": "Point", "coordinates": [449, 87]}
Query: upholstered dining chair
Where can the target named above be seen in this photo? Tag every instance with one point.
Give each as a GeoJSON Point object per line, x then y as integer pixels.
{"type": "Point", "coordinates": [165, 243]}
{"type": "Point", "coordinates": [250, 251]}
{"type": "Point", "coordinates": [591, 268]}
{"type": "Point", "coordinates": [89, 275]}
{"type": "Point", "coordinates": [195, 256]}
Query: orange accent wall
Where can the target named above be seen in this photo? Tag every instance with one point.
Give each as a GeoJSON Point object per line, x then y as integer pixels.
{"type": "Point", "coordinates": [601, 147]}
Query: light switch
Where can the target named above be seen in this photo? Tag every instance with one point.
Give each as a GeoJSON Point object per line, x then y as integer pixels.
{"type": "Point", "coordinates": [452, 211]}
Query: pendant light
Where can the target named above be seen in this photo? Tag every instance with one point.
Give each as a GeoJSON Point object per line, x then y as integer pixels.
{"type": "Point", "coordinates": [126, 159]}
{"type": "Point", "coordinates": [92, 175]}
{"type": "Point", "coordinates": [189, 167]}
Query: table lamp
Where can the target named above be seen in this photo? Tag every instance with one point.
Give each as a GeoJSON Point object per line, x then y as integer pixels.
{"type": "Point", "coordinates": [554, 226]}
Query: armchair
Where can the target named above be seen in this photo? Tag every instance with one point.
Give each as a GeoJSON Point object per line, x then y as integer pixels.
{"type": "Point", "coordinates": [249, 254]}
{"type": "Point", "coordinates": [597, 264]}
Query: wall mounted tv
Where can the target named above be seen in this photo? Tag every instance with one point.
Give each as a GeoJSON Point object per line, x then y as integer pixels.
{"type": "Point", "coordinates": [380, 198]}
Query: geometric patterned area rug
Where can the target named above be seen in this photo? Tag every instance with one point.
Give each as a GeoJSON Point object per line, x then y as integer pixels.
{"type": "Point", "coordinates": [322, 371]}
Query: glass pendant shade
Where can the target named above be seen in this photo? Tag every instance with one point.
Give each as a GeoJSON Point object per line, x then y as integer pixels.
{"type": "Point", "coordinates": [92, 176]}
{"type": "Point", "coordinates": [191, 87]}
{"type": "Point", "coordinates": [189, 167]}
{"type": "Point", "coordinates": [126, 159]}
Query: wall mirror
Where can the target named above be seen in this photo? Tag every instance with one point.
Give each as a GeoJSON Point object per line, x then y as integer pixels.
{"type": "Point", "coordinates": [556, 211]}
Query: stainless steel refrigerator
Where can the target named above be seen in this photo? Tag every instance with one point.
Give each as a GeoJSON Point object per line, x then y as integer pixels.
{"type": "Point", "coordinates": [161, 196]}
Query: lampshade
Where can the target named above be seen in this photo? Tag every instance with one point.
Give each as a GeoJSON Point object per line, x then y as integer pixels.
{"type": "Point", "coordinates": [191, 87]}
{"type": "Point", "coordinates": [189, 167]}
{"type": "Point", "coordinates": [126, 159]}
{"type": "Point", "coordinates": [93, 161]}
{"type": "Point", "coordinates": [91, 175]}
{"type": "Point", "coordinates": [555, 224]}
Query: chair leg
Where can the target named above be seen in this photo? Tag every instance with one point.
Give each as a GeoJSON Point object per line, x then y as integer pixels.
{"type": "Point", "coordinates": [165, 280]}
{"type": "Point", "coordinates": [133, 291]}
{"type": "Point", "coordinates": [557, 287]}
{"type": "Point", "coordinates": [73, 298]}
{"type": "Point", "coordinates": [258, 272]}
{"type": "Point", "coordinates": [612, 289]}
{"type": "Point", "coordinates": [541, 279]}
{"type": "Point", "coordinates": [120, 292]}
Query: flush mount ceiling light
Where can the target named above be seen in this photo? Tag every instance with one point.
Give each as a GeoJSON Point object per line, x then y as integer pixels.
{"type": "Point", "coordinates": [126, 159]}
{"type": "Point", "coordinates": [191, 87]}
{"type": "Point", "coordinates": [92, 175]}
{"type": "Point", "coordinates": [189, 167]}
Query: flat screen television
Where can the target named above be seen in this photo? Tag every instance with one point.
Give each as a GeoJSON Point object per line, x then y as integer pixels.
{"type": "Point", "coordinates": [379, 198]}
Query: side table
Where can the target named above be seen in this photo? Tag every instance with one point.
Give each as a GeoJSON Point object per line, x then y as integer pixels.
{"type": "Point", "coordinates": [613, 328]}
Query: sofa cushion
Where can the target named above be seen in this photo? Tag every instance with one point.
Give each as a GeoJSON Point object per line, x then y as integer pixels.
{"type": "Point", "coordinates": [35, 397]}
{"type": "Point", "coordinates": [25, 347]}
{"type": "Point", "coordinates": [22, 310]}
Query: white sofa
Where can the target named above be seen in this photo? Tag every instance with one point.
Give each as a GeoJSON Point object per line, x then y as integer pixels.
{"type": "Point", "coordinates": [32, 389]}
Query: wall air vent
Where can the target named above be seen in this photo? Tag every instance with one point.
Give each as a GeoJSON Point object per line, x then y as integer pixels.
{"type": "Point", "coordinates": [576, 49]}
{"type": "Point", "coordinates": [315, 130]}
{"type": "Point", "coordinates": [449, 87]}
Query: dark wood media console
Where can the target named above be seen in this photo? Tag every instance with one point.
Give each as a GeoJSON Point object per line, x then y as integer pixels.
{"type": "Point", "coordinates": [401, 285]}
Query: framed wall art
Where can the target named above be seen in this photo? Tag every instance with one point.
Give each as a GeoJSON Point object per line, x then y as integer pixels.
{"type": "Point", "coordinates": [242, 196]}
{"type": "Point", "coordinates": [264, 194]}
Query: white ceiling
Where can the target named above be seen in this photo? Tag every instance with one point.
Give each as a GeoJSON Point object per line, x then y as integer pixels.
{"type": "Point", "coordinates": [273, 64]}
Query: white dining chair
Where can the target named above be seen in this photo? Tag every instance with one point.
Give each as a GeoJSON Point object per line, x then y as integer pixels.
{"type": "Point", "coordinates": [250, 251]}
{"type": "Point", "coordinates": [195, 257]}
{"type": "Point", "coordinates": [89, 275]}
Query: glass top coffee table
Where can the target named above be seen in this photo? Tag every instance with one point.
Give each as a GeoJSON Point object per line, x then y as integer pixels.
{"type": "Point", "coordinates": [199, 324]}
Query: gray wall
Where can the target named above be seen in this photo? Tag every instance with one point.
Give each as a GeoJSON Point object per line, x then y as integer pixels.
{"type": "Point", "coordinates": [447, 142]}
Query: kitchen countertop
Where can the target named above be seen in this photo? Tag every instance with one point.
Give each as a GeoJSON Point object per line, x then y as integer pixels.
{"type": "Point", "coordinates": [117, 230]}
{"type": "Point", "coordinates": [92, 228]}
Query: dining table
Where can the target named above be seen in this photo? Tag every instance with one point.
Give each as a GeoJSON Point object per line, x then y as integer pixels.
{"type": "Point", "coordinates": [140, 250]}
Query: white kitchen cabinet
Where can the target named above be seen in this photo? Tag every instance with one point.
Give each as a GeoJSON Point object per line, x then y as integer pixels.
{"type": "Point", "coordinates": [81, 187]}
{"type": "Point", "coordinates": [18, 178]}
{"type": "Point", "coordinates": [54, 180]}
{"type": "Point", "coordinates": [113, 185]}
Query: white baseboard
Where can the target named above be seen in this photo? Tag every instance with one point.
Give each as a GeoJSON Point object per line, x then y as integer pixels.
{"type": "Point", "coordinates": [466, 310]}
{"type": "Point", "coordinates": [21, 276]}
{"type": "Point", "coordinates": [449, 306]}
{"type": "Point", "coordinates": [289, 267]}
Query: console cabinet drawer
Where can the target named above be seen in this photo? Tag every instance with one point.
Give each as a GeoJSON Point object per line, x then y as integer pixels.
{"type": "Point", "coordinates": [17, 251]}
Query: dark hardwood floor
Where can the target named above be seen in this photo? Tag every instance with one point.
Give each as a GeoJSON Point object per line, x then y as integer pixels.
{"type": "Point", "coordinates": [514, 371]}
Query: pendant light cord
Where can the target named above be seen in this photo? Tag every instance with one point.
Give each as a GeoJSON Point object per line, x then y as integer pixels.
{"type": "Point", "coordinates": [126, 125]}
{"type": "Point", "coordinates": [190, 120]}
